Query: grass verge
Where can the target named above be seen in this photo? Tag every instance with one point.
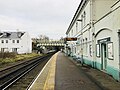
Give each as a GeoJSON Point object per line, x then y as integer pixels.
{"type": "Point", "coordinates": [19, 57]}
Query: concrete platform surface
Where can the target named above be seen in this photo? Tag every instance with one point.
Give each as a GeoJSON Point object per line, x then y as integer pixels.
{"type": "Point", "coordinates": [63, 73]}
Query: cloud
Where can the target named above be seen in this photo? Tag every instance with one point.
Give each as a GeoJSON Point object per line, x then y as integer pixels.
{"type": "Point", "coordinates": [50, 17]}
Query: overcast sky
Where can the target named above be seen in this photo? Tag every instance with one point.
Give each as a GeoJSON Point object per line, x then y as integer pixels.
{"type": "Point", "coordinates": [46, 17]}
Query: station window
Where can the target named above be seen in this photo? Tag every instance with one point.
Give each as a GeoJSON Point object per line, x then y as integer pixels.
{"type": "Point", "coordinates": [84, 18]}
{"type": "Point", "coordinates": [72, 32]}
{"type": "Point", "coordinates": [76, 27]}
{"type": "Point", "coordinates": [90, 50]}
{"type": "Point", "coordinates": [75, 49]}
{"type": "Point", "coordinates": [86, 48]}
{"type": "Point", "coordinates": [82, 21]}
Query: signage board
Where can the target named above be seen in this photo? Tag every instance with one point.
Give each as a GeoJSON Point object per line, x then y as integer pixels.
{"type": "Point", "coordinates": [71, 39]}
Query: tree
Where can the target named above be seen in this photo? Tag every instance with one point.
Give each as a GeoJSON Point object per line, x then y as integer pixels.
{"type": "Point", "coordinates": [43, 38]}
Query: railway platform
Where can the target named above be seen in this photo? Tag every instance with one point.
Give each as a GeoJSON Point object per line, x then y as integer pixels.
{"type": "Point", "coordinates": [63, 73]}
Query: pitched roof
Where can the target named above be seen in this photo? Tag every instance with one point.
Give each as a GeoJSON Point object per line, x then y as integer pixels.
{"type": "Point", "coordinates": [11, 34]}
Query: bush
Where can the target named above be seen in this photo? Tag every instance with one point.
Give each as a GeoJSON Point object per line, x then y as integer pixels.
{"type": "Point", "coordinates": [13, 57]}
{"type": "Point", "coordinates": [7, 55]}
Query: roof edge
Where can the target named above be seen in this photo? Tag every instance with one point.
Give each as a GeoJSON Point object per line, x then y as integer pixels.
{"type": "Point", "coordinates": [75, 15]}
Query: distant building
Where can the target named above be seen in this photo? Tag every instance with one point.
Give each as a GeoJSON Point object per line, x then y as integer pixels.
{"type": "Point", "coordinates": [96, 24]}
{"type": "Point", "coordinates": [18, 42]}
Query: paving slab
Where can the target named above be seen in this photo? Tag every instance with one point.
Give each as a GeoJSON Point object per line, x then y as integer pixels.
{"type": "Point", "coordinates": [102, 79]}
{"type": "Point", "coordinates": [64, 73]}
{"type": "Point", "coordinates": [70, 77]}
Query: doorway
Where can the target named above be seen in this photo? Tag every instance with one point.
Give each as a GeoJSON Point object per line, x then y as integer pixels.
{"type": "Point", "coordinates": [104, 55]}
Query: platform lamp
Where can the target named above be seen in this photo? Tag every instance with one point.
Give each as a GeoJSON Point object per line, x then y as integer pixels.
{"type": "Point", "coordinates": [80, 20]}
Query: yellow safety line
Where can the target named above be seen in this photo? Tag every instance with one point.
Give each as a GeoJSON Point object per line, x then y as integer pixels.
{"type": "Point", "coordinates": [50, 80]}
{"type": "Point", "coordinates": [45, 85]}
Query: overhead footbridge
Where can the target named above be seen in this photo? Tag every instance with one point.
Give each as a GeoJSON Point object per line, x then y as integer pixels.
{"type": "Point", "coordinates": [58, 45]}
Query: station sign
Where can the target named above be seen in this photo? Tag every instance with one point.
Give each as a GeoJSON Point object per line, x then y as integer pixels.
{"type": "Point", "coordinates": [71, 39]}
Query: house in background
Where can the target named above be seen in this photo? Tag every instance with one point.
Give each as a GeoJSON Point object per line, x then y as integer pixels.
{"type": "Point", "coordinates": [18, 42]}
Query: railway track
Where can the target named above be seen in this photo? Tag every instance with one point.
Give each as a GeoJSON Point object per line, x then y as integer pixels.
{"type": "Point", "coordinates": [9, 76]}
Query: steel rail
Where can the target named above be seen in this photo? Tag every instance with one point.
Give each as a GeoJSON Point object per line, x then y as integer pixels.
{"type": "Point", "coordinates": [17, 74]}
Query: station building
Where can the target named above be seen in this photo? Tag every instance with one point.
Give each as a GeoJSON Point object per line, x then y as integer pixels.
{"type": "Point", "coordinates": [96, 25]}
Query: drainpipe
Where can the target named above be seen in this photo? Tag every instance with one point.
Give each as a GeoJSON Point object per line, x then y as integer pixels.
{"type": "Point", "coordinates": [119, 50]}
{"type": "Point", "coordinates": [80, 20]}
{"type": "Point", "coordinates": [93, 32]}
